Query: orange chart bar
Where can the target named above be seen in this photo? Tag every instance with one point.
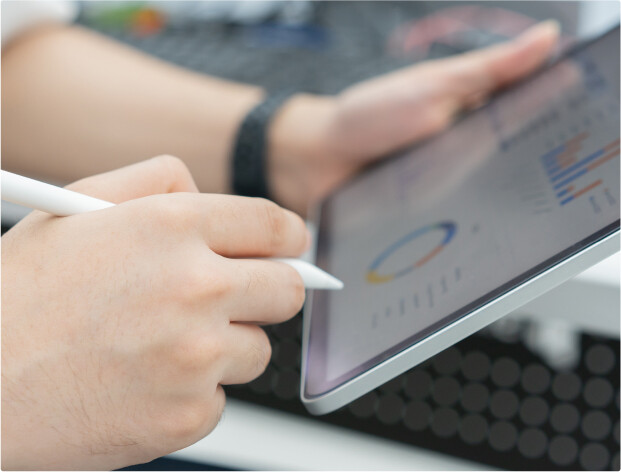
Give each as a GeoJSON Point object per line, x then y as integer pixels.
{"type": "Point", "coordinates": [612, 145]}
{"type": "Point", "coordinates": [587, 188]}
{"type": "Point", "coordinates": [576, 139]}
{"type": "Point", "coordinates": [581, 192]}
{"type": "Point", "coordinates": [565, 160]}
{"type": "Point", "coordinates": [600, 161]}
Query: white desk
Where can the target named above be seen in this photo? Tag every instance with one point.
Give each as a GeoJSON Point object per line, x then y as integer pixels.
{"type": "Point", "coordinates": [258, 438]}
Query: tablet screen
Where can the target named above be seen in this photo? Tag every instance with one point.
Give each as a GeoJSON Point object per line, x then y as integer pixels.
{"type": "Point", "coordinates": [426, 237]}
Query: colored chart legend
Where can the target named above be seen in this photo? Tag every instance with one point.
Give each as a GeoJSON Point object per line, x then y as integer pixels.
{"type": "Point", "coordinates": [564, 167]}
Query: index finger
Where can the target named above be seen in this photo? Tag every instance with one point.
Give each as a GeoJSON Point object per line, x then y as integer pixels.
{"type": "Point", "coordinates": [251, 227]}
{"type": "Point", "coordinates": [482, 71]}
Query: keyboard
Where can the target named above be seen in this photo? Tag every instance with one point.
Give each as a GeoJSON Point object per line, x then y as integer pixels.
{"type": "Point", "coordinates": [352, 47]}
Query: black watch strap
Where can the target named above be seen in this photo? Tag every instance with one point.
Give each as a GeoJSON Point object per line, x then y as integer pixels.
{"type": "Point", "coordinates": [249, 160]}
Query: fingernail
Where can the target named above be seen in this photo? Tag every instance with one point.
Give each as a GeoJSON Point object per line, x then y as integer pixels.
{"type": "Point", "coordinates": [551, 27]}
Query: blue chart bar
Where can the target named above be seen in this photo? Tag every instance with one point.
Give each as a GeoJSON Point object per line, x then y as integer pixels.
{"type": "Point", "coordinates": [577, 165]}
{"type": "Point", "coordinates": [563, 192]}
{"type": "Point", "coordinates": [547, 157]}
{"type": "Point", "coordinates": [570, 179]}
{"type": "Point", "coordinates": [567, 200]}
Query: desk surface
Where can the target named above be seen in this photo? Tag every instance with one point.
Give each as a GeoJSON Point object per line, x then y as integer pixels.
{"type": "Point", "coordinates": [259, 438]}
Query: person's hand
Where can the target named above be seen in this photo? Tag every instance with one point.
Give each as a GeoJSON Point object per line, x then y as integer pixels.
{"type": "Point", "coordinates": [120, 326]}
{"type": "Point", "coordinates": [317, 142]}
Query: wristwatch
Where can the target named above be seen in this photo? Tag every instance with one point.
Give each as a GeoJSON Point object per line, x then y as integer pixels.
{"type": "Point", "coordinates": [249, 159]}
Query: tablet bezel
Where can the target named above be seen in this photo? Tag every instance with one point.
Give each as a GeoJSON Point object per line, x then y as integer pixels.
{"type": "Point", "coordinates": [483, 311]}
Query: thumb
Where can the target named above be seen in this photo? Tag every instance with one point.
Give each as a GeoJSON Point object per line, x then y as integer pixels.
{"type": "Point", "coordinates": [478, 73]}
{"type": "Point", "coordinates": [162, 174]}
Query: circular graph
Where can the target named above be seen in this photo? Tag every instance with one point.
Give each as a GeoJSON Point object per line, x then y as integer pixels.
{"type": "Point", "coordinates": [375, 277]}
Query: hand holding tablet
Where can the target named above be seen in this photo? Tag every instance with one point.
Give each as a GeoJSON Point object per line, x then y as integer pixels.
{"type": "Point", "coordinates": [439, 241]}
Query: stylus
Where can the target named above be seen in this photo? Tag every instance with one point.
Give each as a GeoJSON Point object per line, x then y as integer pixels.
{"type": "Point", "coordinates": [62, 202]}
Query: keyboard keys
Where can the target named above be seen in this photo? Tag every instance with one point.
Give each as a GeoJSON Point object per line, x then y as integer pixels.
{"type": "Point", "coordinates": [532, 443]}
{"type": "Point", "coordinates": [418, 384]}
{"type": "Point", "coordinates": [565, 418]}
{"type": "Point", "coordinates": [563, 450]}
{"type": "Point", "coordinates": [505, 372]}
{"type": "Point", "coordinates": [600, 359]}
{"type": "Point", "coordinates": [476, 365]}
{"type": "Point", "coordinates": [417, 416]}
{"type": "Point", "coordinates": [478, 396]}
{"type": "Point", "coordinates": [535, 379]}
{"type": "Point", "coordinates": [503, 436]}
{"type": "Point", "coordinates": [390, 408]}
{"type": "Point", "coordinates": [446, 391]}
{"type": "Point", "coordinates": [594, 456]}
{"type": "Point", "coordinates": [598, 392]}
{"type": "Point", "coordinates": [596, 425]}
{"type": "Point", "coordinates": [475, 397]}
{"type": "Point", "coordinates": [473, 429]}
{"type": "Point", "coordinates": [504, 404]}
{"type": "Point", "coordinates": [534, 411]}
{"type": "Point", "coordinates": [567, 386]}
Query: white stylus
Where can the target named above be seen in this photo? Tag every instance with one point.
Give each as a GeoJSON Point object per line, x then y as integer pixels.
{"type": "Point", "coordinates": [62, 202]}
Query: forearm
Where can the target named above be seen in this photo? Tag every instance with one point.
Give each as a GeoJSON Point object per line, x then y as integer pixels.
{"type": "Point", "coordinates": [75, 103]}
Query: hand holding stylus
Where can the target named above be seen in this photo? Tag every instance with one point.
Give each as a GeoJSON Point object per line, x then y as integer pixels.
{"type": "Point", "coordinates": [61, 202]}
{"type": "Point", "coordinates": [153, 304]}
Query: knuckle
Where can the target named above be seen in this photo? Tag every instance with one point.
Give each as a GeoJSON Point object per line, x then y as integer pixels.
{"type": "Point", "coordinates": [211, 350]}
{"type": "Point", "coordinates": [216, 409]}
{"type": "Point", "coordinates": [193, 283]}
{"type": "Point", "coordinates": [260, 352]}
{"type": "Point", "coordinates": [184, 356]}
{"type": "Point", "coordinates": [298, 292]}
{"type": "Point", "coordinates": [196, 353]}
{"type": "Point", "coordinates": [219, 403]}
{"type": "Point", "coordinates": [174, 213]}
{"type": "Point", "coordinates": [219, 285]}
{"type": "Point", "coordinates": [164, 209]}
{"type": "Point", "coordinates": [186, 421]}
{"type": "Point", "coordinates": [275, 222]}
{"type": "Point", "coordinates": [172, 165]}
{"type": "Point", "coordinates": [200, 281]}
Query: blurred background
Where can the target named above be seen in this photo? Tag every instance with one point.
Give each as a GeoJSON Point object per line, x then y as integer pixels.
{"type": "Point", "coordinates": [538, 390]}
{"type": "Point", "coordinates": [325, 46]}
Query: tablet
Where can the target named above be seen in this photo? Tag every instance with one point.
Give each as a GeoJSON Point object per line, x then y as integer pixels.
{"type": "Point", "coordinates": [443, 239]}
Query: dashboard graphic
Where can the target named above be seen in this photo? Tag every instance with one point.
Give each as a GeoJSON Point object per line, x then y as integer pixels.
{"type": "Point", "coordinates": [565, 171]}
{"type": "Point", "coordinates": [447, 228]}
{"type": "Point", "coordinates": [456, 222]}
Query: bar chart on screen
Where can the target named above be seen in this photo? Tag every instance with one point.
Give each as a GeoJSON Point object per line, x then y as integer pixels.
{"type": "Point", "coordinates": [578, 136]}
{"type": "Point", "coordinates": [580, 163]}
{"type": "Point", "coordinates": [574, 171]}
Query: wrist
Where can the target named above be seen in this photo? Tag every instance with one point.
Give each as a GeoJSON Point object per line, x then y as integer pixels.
{"type": "Point", "coordinates": [297, 144]}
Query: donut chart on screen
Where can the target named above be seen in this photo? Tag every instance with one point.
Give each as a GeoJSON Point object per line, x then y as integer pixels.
{"type": "Point", "coordinates": [446, 228]}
